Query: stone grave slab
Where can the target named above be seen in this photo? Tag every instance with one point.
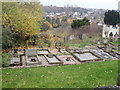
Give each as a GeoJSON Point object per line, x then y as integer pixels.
{"type": "Point", "coordinates": [102, 54]}
{"type": "Point", "coordinates": [53, 60]}
{"type": "Point", "coordinates": [43, 51]}
{"type": "Point", "coordinates": [85, 56]}
{"type": "Point", "coordinates": [15, 60]}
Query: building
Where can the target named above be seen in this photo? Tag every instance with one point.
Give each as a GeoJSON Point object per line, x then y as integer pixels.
{"type": "Point", "coordinates": [110, 31]}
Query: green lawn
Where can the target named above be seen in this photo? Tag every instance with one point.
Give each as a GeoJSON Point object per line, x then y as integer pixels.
{"type": "Point", "coordinates": [82, 43]}
{"type": "Point", "coordinates": [89, 75]}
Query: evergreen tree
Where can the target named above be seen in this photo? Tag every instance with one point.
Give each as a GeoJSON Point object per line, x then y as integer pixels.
{"type": "Point", "coordinates": [112, 18]}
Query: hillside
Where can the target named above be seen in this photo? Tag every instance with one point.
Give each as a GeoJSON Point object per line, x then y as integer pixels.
{"type": "Point", "coordinates": [90, 75]}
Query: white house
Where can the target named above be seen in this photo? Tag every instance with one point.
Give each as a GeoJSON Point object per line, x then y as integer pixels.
{"type": "Point", "coordinates": [110, 31]}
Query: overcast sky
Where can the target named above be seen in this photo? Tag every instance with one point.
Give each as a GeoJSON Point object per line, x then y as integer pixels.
{"type": "Point", "coordinates": [99, 4]}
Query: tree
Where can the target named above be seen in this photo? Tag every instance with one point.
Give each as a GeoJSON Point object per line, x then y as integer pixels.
{"type": "Point", "coordinates": [24, 19]}
{"type": "Point", "coordinates": [46, 26]}
{"type": "Point", "coordinates": [79, 23]}
{"type": "Point", "coordinates": [64, 19]}
{"type": "Point", "coordinates": [112, 17]}
{"type": "Point", "coordinates": [48, 19]}
{"type": "Point", "coordinates": [53, 20]}
{"type": "Point", "coordinates": [58, 21]}
{"type": "Point", "coordinates": [7, 38]}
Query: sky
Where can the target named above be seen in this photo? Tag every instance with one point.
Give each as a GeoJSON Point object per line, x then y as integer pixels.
{"type": "Point", "coordinates": [97, 4]}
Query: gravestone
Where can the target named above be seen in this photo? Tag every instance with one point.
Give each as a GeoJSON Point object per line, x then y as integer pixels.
{"type": "Point", "coordinates": [50, 55]}
{"type": "Point", "coordinates": [58, 43]}
{"type": "Point", "coordinates": [108, 48]}
{"type": "Point", "coordinates": [80, 36]}
{"type": "Point", "coordinates": [98, 42]}
{"type": "Point", "coordinates": [71, 37]}
{"type": "Point", "coordinates": [105, 41]}
{"type": "Point", "coordinates": [116, 37]}
{"type": "Point", "coordinates": [111, 37]}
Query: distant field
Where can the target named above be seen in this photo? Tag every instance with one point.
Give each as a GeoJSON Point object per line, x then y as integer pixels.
{"type": "Point", "coordinates": [90, 75]}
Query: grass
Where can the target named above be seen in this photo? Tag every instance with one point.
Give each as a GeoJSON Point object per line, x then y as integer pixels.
{"type": "Point", "coordinates": [116, 42]}
{"type": "Point", "coordinates": [89, 75]}
{"type": "Point", "coordinates": [82, 43]}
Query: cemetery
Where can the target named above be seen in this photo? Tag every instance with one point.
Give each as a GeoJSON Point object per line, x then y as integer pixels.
{"type": "Point", "coordinates": [58, 49]}
{"type": "Point", "coordinates": [60, 56]}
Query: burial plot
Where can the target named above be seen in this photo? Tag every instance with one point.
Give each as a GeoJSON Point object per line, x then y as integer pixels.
{"type": "Point", "coordinates": [62, 50]}
{"type": "Point", "coordinates": [18, 51]}
{"type": "Point", "coordinates": [67, 59]}
{"type": "Point", "coordinates": [86, 56]}
{"type": "Point", "coordinates": [54, 51]}
{"type": "Point", "coordinates": [43, 51]}
{"type": "Point", "coordinates": [74, 50]}
{"type": "Point", "coordinates": [32, 57]}
{"type": "Point", "coordinates": [43, 60]}
{"type": "Point", "coordinates": [16, 60]}
{"type": "Point", "coordinates": [102, 54]}
{"type": "Point", "coordinates": [53, 59]}
{"type": "Point", "coordinates": [32, 60]}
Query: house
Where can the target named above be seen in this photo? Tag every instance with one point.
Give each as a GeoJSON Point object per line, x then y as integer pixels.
{"type": "Point", "coordinates": [110, 31]}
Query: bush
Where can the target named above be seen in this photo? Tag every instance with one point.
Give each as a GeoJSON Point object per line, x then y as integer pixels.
{"type": "Point", "coordinates": [6, 59]}
{"type": "Point", "coordinates": [79, 23]}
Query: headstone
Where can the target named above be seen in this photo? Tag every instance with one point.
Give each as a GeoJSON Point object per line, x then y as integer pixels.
{"type": "Point", "coordinates": [68, 59]}
{"type": "Point", "coordinates": [108, 48]}
{"type": "Point", "coordinates": [50, 55]}
{"type": "Point", "coordinates": [71, 37]}
{"type": "Point", "coordinates": [111, 37]}
{"type": "Point", "coordinates": [105, 41]}
{"type": "Point", "coordinates": [98, 42]}
{"type": "Point", "coordinates": [116, 37]}
{"type": "Point", "coordinates": [80, 36]}
{"type": "Point", "coordinates": [58, 43]}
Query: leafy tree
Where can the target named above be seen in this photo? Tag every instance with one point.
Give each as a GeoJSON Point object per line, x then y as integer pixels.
{"type": "Point", "coordinates": [58, 21]}
{"type": "Point", "coordinates": [48, 19]}
{"type": "Point", "coordinates": [23, 18]}
{"type": "Point", "coordinates": [112, 17]}
{"type": "Point", "coordinates": [64, 19]}
{"type": "Point", "coordinates": [53, 20]}
{"type": "Point", "coordinates": [7, 38]}
{"type": "Point", "coordinates": [79, 23]}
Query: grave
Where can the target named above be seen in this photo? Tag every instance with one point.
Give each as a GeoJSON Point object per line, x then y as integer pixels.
{"type": "Point", "coordinates": [43, 60]}
{"type": "Point", "coordinates": [86, 56]}
{"type": "Point", "coordinates": [76, 50]}
{"type": "Point", "coordinates": [67, 59]}
{"type": "Point", "coordinates": [43, 51]}
{"type": "Point", "coordinates": [16, 60]}
{"type": "Point", "coordinates": [18, 51]}
{"type": "Point", "coordinates": [102, 54]}
{"type": "Point", "coordinates": [54, 51]}
{"type": "Point", "coordinates": [53, 59]}
{"type": "Point", "coordinates": [32, 57]}
{"type": "Point", "coordinates": [62, 50]}
{"type": "Point", "coordinates": [32, 60]}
